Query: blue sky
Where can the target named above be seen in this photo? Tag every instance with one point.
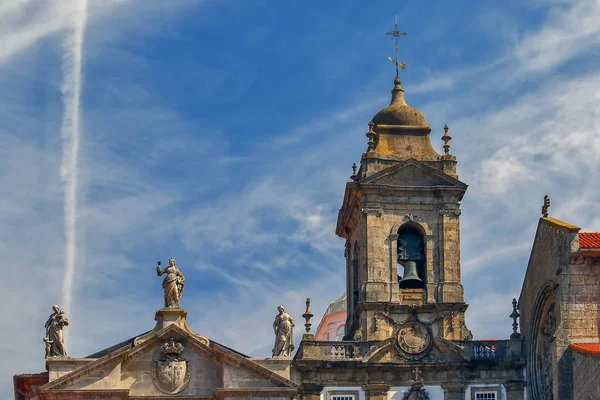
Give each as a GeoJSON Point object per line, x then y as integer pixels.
{"type": "Point", "coordinates": [222, 133]}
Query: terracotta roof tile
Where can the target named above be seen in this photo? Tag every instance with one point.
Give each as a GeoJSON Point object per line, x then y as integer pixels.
{"type": "Point", "coordinates": [590, 348]}
{"type": "Point", "coordinates": [589, 240]}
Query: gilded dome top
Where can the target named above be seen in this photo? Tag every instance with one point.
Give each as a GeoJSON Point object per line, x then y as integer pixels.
{"type": "Point", "coordinates": [398, 112]}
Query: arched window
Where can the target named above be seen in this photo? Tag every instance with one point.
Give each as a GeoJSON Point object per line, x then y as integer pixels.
{"type": "Point", "coordinates": [339, 335]}
{"type": "Point", "coordinates": [411, 257]}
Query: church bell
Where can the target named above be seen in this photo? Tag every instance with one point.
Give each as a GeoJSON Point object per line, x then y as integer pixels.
{"type": "Point", "coordinates": [410, 272]}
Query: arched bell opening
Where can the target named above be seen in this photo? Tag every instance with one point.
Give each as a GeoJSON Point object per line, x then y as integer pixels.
{"type": "Point", "coordinates": [411, 256]}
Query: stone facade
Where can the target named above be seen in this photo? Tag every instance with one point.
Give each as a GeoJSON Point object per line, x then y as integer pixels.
{"type": "Point", "coordinates": [559, 305]}
{"type": "Point", "coordinates": [169, 361]}
{"type": "Point", "coordinates": [401, 206]}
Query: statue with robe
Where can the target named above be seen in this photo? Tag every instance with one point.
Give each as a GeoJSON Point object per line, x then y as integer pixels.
{"type": "Point", "coordinates": [172, 284]}
{"type": "Point", "coordinates": [284, 334]}
{"type": "Point", "coordinates": [55, 345]}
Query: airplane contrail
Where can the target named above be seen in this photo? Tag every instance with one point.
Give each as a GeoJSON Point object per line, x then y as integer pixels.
{"type": "Point", "coordinates": [70, 132]}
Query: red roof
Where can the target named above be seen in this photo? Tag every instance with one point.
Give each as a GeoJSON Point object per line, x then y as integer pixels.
{"type": "Point", "coordinates": [590, 348]}
{"type": "Point", "coordinates": [26, 385]}
{"type": "Point", "coordinates": [589, 240]}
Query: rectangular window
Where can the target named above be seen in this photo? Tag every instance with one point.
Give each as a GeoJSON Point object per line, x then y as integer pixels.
{"type": "Point", "coordinates": [486, 395]}
{"type": "Point", "coordinates": [342, 395]}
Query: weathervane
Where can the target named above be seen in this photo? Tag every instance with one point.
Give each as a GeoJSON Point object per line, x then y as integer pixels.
{"type": "Point", "coordinates": [396, 34]}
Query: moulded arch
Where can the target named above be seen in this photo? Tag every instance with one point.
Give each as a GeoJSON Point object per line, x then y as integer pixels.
{"type": "Point", "coordinates": [409, 224]}
{"type": "Point", "coordinates": [545, 302]}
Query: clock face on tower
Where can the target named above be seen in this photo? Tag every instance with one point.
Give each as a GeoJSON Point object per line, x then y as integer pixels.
{"type": "Point", "coordinates": [414, 338]}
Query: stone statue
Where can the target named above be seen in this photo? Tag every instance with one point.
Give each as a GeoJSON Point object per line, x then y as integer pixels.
{"type": "Point", "coordinates": [284, 334]}
{"type": "Point", "coordinates": [172, 284]}
{"type": "Point", "coordinates": [55, 345]}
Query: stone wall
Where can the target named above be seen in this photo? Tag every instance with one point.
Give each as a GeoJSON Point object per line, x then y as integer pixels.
{"type": "Point", "coordinates": [558, 305]}
{"type": "Point", "coordinates": [586, 375]}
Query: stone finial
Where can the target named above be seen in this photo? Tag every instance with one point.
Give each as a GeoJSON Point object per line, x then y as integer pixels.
{"type": "Point", "coordinates": [545, 206]}
{"type": "Point", "coordinates": [446, 138]}
{"type": "Point", "coordinates": [514, 315]}
{"type": "Point", "coordinates": [307, 316]}
{"type": "Point", "coordinates": [371, 135]}
{"type": "Point", "coordinates": [417, 386]}
{"type": "Point", "coordinates": [354, 167]}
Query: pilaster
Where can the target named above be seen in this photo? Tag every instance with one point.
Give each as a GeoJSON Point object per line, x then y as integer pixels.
{"type": "Point", "coordinates": [454, 391]}
{"type": "Point", "coordinates": [376, 391]}
{"type": "Point", "coordinates": [310, 392]}
{"type": "Point", "coordinates": [515, 390]}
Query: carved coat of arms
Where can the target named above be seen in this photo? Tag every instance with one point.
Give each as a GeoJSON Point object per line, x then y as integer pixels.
{"type": "Point", "coordinates": [171, 373]}
{"type": "Point", "coordinates": [414, 339]}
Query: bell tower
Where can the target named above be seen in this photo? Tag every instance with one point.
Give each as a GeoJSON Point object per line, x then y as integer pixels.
{"type": "Point", "coordinates": [400, 219]}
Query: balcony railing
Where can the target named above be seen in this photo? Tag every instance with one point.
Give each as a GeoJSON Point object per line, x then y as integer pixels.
{"type": "Point", "coordinates": [355, 350]}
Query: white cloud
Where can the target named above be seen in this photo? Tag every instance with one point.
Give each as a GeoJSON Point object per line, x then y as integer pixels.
{"type": "Point", "coordinates": [568, 33]}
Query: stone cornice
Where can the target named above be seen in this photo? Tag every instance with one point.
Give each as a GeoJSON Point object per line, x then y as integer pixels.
{"type": "Point", "coordinates": [87, 369]}
{"type": "Point", "coordinates": [237, 360]}
{"type": "Point", "coordinates": [86, 394]}
{"type": "Point", "coordinates": [255, 392]}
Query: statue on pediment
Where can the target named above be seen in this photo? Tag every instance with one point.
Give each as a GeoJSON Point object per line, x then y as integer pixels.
{"type": "Point", "coordinates": [172, 284]}
{"type": "Point", "coordinates": [55, 345]}
{"type": "Point", "coordinates": [284, 334]}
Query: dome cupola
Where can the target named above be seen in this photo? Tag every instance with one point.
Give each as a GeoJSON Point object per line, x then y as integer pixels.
{"type": "Point", "coordinates": [398, 112]}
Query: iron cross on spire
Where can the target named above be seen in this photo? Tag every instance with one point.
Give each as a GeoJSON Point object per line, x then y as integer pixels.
{"type": "Point", "coordinates": [396, 34]}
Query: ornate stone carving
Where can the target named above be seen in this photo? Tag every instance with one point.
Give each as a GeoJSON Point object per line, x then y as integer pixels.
{"type": "Point", "coordinates": [307, 316]}
{"type": "Point", "coordinates": [414, 339]}
{"type": "Point", "coordinates": [172, 284]}
{"type": "Point", "coordinates": [411, 217]}
{"type": "Point", "coordinates": [170, 372]}
{"type": "Point", "coordinates": [372, 135]}
{"type": "Point", "coordinates": [374, 211]}
{"type": "Point", "coordinates": [544, 352]}
{"type": "Point", "coordinates": [417, 388]}
{"type": "Point", "coordinates": [514, 315]}
{"type": "Point", "coordinates": [284, 334]}
{"type": "Point", "coordinates": [55, 345]}
{"type": "Point", "coordinates": [451, 213]}
{"type": "Point", "coordinates": [467, 335]}
{"type": "Point", "coordinates": [338, 352]}
{"type": "Point", "coordinates": [541, 350]}
{"type": "Point", "coordinates": [546, 206]}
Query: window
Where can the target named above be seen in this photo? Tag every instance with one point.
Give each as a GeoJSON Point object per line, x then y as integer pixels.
{"type": "Point", "coordinates": [485, 395]}
{"type": "Point", "coordinates": [342, 395]}
{"type": "Point", "coordinates": [340, 335]}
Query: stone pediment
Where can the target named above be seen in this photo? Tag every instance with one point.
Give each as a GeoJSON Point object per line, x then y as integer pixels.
{"type": "Point", "coordinates": [442, 351]}
{"type": "Point", "coordinates": [412, 173]}
{"type": "Point", "coordinates": [171, 361]}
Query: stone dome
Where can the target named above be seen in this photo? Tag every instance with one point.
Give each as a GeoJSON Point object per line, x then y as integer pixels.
{"type": "Point", "coordinates": [398, 112]}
